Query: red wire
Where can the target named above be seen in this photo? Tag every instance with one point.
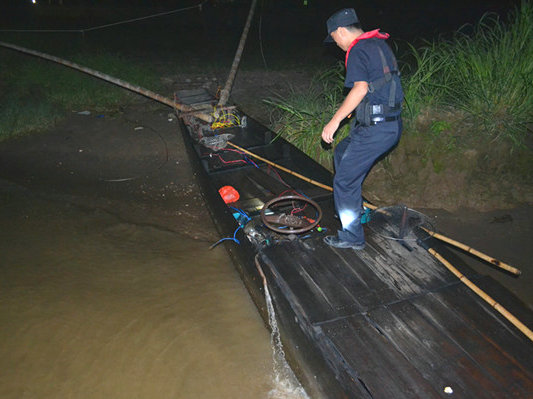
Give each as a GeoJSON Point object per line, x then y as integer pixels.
{"type": "Point", "coordinates": [279, 176]}
{"type": "Point", "coordinates": [228, 162]}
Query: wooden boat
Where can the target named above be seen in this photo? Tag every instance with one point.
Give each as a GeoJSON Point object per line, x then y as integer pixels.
{"type": "Point", "coordinates": [386, 322]}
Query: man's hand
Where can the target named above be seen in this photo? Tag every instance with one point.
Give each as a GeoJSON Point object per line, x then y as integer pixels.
{"type": "Point", "coordinates": [351, 101]}
{"type": "Point", "coordinates": [329, 131]}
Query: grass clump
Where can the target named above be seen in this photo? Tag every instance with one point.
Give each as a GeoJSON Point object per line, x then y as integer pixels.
{"type": "Point", "coordinates": [34, 93]}
{"type": "Point", "coordinates": [483, 77]}
{"type": "Point", "coordinates": [485, 72]}
{"type": "Point", "coordinates": [301, 116]}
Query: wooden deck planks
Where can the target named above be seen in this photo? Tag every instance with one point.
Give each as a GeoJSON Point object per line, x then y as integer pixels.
{"type": "Point", "coordinates": [343, 282]}
{"type": "Point", "coordinates": [411, 335]}
{"type": "Point", "coordinates": [372, 361]}
{"type": "Point", "coordinates": [481, 321]}
{"type": "Point", "coordinates": [450, 311]}
{"type": "Point", "coordinates": [437, 355]}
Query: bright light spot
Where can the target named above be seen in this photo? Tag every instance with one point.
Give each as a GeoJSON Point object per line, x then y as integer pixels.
{"type": "Point", "coordinates": [347, 217]}
{"type": "Point", "coordinates": [34, 1]}
{"type": "Point", "coordinates": [448, 390]}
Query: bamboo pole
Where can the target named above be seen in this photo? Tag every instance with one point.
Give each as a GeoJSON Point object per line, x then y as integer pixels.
{"type": "Point", "coordinates": [291, 172]}
{"type": "Point", "coordinates": [224, 94]}
{"type": "Point", "coordinates": [475, 252]}
{"type": "Point", "coordinates": [108, 78]}
{"type": "Point", "coordinates": [504, 312]}
{"type": "Point", "coordinates": [283, 168]}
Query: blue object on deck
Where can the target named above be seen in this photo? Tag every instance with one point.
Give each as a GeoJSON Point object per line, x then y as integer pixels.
{"type": "Point", "coordinates": [365, 217]}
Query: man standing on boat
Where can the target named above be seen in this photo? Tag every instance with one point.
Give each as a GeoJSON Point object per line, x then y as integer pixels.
{"type": "Point", "coordinates": [375, 98]}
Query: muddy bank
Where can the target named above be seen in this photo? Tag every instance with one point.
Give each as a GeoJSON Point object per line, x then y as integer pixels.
{"type": "Point", "coordinates": [131, 164]}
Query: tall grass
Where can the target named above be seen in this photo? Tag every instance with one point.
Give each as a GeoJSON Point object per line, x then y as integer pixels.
{"type": "Point", "coordinates": [35, 93]}
{"type": "Point", "coordinates": [485, 71]}
{"type": "Point", "coordinates": [301, 116]}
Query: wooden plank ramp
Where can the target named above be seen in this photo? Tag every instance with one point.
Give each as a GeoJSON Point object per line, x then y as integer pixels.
{"type": "Point", "coordinates": [391, 322]}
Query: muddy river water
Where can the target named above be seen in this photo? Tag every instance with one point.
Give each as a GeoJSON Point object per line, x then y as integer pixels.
{"type": "Point", "coordinates": [94, 307]}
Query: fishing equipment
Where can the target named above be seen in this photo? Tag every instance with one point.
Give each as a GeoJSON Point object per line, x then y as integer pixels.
{"type": "Point", "coordinates": [383, 220]}
{"type": "Point", "coordinates": [216, 143]}
{"type": "Point", "coordinates": [225, 117]}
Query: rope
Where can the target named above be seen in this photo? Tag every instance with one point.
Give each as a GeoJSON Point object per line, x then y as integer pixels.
{"type": "Point", "coordinates": [127, 21]}
{"type": "Point", "coordinates": [147, 17]}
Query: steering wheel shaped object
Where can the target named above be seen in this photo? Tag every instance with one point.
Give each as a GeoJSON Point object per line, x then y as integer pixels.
{"type": "Point", "coordinates": [294, 224]}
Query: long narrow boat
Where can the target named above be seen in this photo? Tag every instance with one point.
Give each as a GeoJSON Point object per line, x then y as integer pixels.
{"type": "Point", "coordinates": [386, 322]}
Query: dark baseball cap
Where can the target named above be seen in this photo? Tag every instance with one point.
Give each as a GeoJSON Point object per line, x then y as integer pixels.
{"type": "Point", "coordinates": [343, 17]}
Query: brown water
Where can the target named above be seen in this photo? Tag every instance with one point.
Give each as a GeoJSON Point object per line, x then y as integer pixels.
{"type": "Point", "coordinates": [93, 307]}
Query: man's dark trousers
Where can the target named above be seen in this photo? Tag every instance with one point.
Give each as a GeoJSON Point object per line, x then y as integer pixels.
{"type": "Point", "coordinates": [354, 157]}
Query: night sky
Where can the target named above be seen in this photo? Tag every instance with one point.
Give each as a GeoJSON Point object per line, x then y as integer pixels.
{"type": "Point", "coordinates": [403, 16]}
{"type": "Point", "coordinates": [288, 30]}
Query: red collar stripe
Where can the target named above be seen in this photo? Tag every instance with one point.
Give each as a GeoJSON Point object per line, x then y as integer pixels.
{"type": "Point", "coordinates": [367, 35]}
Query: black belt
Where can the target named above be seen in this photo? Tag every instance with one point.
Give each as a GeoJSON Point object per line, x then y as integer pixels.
{"type": "Point", "coordinates": [380, 119]}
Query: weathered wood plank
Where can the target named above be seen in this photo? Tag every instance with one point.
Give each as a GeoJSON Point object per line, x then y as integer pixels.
{"type": "Point", "coordinates": [355, 281]}
{"type": "Point", "coordinates": [371, 359]}
{"type": "Point", "coordinates": [410, 272]}
{"type": "Point", "coordinates": [439, 357]}
{"type": "Point", "coordinates": [347, 270]}
{"type": "Point", "coordinates": [497, 361]}
{"type": "Point", "coordinates": [306, 299]}
{"type": "Point", "coordinates": [505, 352]}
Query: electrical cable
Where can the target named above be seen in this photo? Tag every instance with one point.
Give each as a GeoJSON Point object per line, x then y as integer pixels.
{"type": "Point", "coordinates": [163, 163]}
{"type": "Point", "coordinates": [260, 38]}
{"type": "Point", "coordinates": [234, 238]}
{"type": "Point", "coordinates": [103, 26]}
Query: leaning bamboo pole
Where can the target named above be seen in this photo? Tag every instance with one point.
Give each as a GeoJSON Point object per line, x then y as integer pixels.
{"type": "Point", "coordinates": [487, 298]}
{"type": "Point", "coordinates": [224, 94]}
{"type": "Point", "coordinates": [475, 252]}
{"type": "Point", "coordinates": [283, 168]}
{"type": "Point", "coordinates": [108, 78]}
